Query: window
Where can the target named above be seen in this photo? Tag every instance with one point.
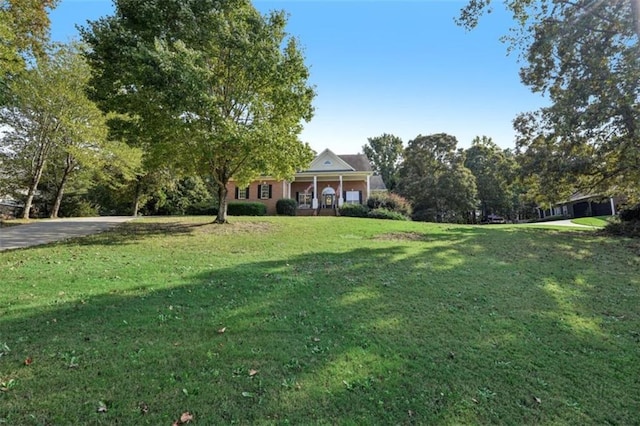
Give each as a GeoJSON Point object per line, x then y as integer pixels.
{"type": "Point", "coordinates": [242, 193]}
{"type": "Point", "coordinates": [353, 197]}
{"type": "Point", "coordinates": [265, 191]}
{"type": "Point", "coordinates": [304, 199]}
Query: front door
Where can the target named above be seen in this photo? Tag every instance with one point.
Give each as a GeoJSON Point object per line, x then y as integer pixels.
{"type": "Point", "coordinates": [328, 200]}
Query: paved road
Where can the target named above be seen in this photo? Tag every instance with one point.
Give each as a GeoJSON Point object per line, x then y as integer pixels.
{"type": "Point", "coordinates": [47, 231]}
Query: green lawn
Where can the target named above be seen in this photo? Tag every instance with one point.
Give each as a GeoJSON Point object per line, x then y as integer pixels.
{"type": "Point", "coordinates": [321, 321]}
{"type": "Point", "coordinates": [597, 221]}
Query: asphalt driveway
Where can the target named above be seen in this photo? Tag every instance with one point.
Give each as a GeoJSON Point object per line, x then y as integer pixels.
{"type": "Point", "coordinates": [47, 231]}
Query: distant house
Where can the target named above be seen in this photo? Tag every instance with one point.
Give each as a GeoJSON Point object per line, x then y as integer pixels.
{"type": "Point", "coordinates": [329, 182]}
{"type": "Point", "coordinates": [581, 205]}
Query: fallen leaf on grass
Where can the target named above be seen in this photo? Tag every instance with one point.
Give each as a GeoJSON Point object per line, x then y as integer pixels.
{"type": "Point", "coordinates": [537, 400]}
{"type": "Point", "coordinates": [144, 408]}
{"type": "Point", "coordinates": [247, 394]}
{"type": "Point", "coordinates": [102, 407]}
{"type": "Point", "coordinates": [28, 361]}
{"type": "Point", "coordinates": [252, 372]}
{"type": "Point", "coordinates": [185, 418]}
{"type": "Point", "coordinates": [222, 330]}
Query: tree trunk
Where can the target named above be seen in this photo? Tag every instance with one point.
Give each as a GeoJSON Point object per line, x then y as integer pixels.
{"type": "Point", "coordinates": [136, 197]}
{"type": "Point", "coordinates": [60, 191]}
{"type": "Point", "coordinates": [32, 190]}
{"type": "Point", "coordinates": [222, 204]}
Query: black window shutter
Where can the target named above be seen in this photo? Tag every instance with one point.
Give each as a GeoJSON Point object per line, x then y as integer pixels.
{"type": "Point", "coordinates": [236, 192]}
{"type": "Point", "coordinates": [247, 194]}
{"type": "Point", "coordinates": [298, 197]}
{"type": "Point", "coordinates": [270, 191]}
{"type": "Point", "coordinates": [360, 196]}
{"type": "Point", "coordinates": [344, 195]}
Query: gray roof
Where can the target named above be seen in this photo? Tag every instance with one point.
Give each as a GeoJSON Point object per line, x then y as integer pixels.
{"type": "Point", "coordinates": [377, 184]}
{"type": "Point", "coordinates": [359, 162]}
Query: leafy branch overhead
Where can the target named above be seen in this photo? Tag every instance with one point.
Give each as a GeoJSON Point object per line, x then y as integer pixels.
{"type": "Point", "coordinates": [585, 57]}
{"type": "Point", "coordinates": [216, 87]}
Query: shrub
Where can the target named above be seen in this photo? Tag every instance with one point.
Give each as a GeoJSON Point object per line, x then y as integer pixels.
{"type": "Point", "coordinates": [386, 214]}
{"type": "Point", "coordinates": [286, 207]}
{"type": "Point", "coordinates": [390, 201]}
{"type": "Point", "coordinates": [630, 214]}
{"type": "Point", "coordinates": [354, 210]}
{"type": "Point", "coordinates": [629, 228]}
{"type": "Point", "coordinates": [203, 208]}
{"type": "Point", "coordinates": [77, 206]}
{"type": "Point", "coordinates": [246, 209]}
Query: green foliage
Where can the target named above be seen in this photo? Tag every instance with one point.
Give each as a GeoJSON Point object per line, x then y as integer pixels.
{"type": "Point", "coordinates": [630, 214]}
{"type": "Point", "coordinates": [433, 177]}
{"type": "Point", "coordinates": [354, 210]}
{"type": "Point", "coordinates": [286, 207]}
{"type": "Point", "coordinates": [495, 171]}
{"type": "Point", "coordinates": [390, 201]}
{"type": "Point", "coordinates": [179, 197]}
{"type": "Point", "coordinates": [385, 154]}
{"type": "Point", "coordinates": [382, 213]}
{"type": "Point", "coordinates": [237, 208]}
{"type": "Point", "coordinates": [24, 30]}
{"type": "Point", "coordinates": [78, 206]}
{"type": "Point", "coordinates": [215, 87]}
{"type": "Point", "coordinates": [621, 228]}
{"type": "Point", "coordinates": [583, 56]}
{"type": "Point", "coordinates": [55, 132]}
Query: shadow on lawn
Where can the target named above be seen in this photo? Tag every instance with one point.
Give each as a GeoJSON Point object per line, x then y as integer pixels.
{"type": "Point", "coordinates": [472, 329]}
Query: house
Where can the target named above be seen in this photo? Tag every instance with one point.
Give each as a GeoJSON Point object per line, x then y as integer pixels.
{"type": "Point", "coordinates": [329, 182]}
{"type": "Point", "coordinates": [583, 205]}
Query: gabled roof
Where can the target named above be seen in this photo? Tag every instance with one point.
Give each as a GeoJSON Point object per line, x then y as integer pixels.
{"type": "Point", "coordinates": [359, 162]}
{"type": "Point", "coordinates": [327, 161]}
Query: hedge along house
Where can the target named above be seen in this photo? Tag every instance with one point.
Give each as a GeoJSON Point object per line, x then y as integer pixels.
{"type": "Point", "coordinates": [330, 181]}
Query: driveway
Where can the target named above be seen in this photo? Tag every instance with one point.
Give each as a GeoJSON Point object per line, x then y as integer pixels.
{"type": "Point", "coordinates": [562, 222]}
{"type": "Point", "coordinates": [50, 230]}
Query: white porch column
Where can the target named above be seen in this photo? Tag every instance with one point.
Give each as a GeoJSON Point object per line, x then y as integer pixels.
{"type": "Point", "coordinates": [340, 199]}
{"type": "Point", "coordinates": [613, 207]}
{"type": "Point", "coordinates": [289, 190]}
{"type": "Point", "coordinates": [314, 203]}
{"type": "Point", "coordinates": [368, 189]}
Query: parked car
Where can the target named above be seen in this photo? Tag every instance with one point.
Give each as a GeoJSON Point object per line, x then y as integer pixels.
{"type": "Point", "coordinates": [493, 218]}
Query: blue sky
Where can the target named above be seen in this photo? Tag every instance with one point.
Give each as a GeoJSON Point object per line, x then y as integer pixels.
{"type": "Point", "coordinates": [382, 66]}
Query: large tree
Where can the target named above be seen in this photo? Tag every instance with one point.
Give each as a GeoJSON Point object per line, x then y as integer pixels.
{"type": "Point", "coordinates": [495, 172]}
{"type": "Point", "coordinates": [50, 122]}
{"type": "Point", "coordinates": [584, 55]}
{"type": "Point", "coordinates": [24, 30]}
{"type": "Point", "coordinates": [385, 154]}
{"type": "Point", "coordinates": [433, 177]}
{"type": "Point", "coordinates": [211, 85]}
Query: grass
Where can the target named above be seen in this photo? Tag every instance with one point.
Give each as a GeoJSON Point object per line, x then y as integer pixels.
{"type": "Point", "coordinates": [321, 321]}
{"type": "Point", "coordinates": [596, 221]}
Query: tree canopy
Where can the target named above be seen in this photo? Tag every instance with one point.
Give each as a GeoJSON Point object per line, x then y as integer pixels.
{"type": "Point", "coordinates": [51, 124]}
{"type": "Point", "coordinates": [24, 27]}
{"type": "Point", "coordinates": [495, 172]}
{"type": "Point", "coordinates": [433, 177]}
{"type": "Point", "coordinates": [211, 86]}
{"type": "Point", "coordinates": [385, 153]}
{"type": "Point", "coordinates": [584, 55]}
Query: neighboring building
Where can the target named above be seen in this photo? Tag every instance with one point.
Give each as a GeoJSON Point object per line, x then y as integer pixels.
{"type": "Point", "coordinates": [330, 181]}
{"type": "Point", "coordinates": [581, 205]}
